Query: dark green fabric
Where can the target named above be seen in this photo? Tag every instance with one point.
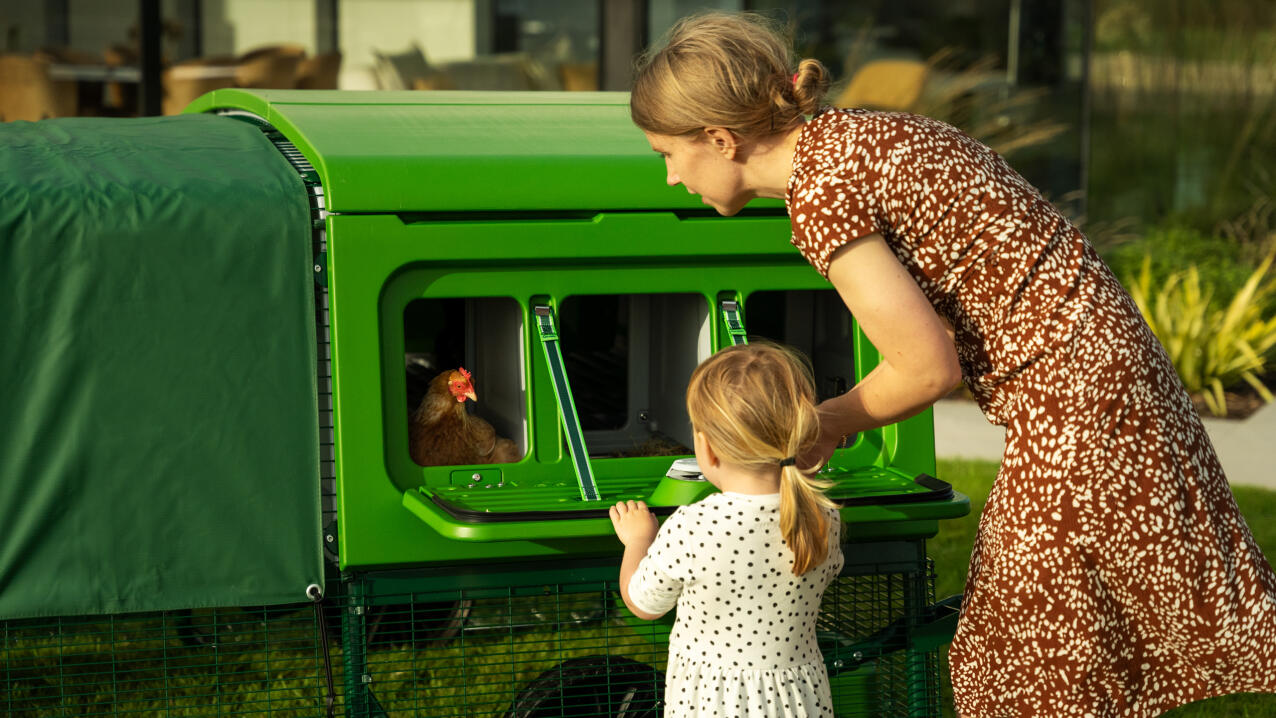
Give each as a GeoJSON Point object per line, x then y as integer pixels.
{"type": "Point", "coordinates": [158, 427]}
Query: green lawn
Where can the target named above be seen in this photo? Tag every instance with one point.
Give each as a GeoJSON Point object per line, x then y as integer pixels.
{"type": "Point", "coordinates": [951, 551]}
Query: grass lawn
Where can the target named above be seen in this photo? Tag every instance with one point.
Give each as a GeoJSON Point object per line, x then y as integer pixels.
{"type": "Point", "coordinates": [951, 551]}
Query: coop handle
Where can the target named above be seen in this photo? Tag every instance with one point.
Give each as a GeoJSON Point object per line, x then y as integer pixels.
{"type": "Point", "coordinates": [548, 332]}
{"type": "Point", "coordinates": [731, 318]}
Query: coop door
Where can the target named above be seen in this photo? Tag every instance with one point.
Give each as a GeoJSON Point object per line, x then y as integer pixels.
{"type": "Point", "coordinates": [629, 358]}
{"type": "Point", "coordinates": [483, 336]}
{"type": "Point", "coordinates": [813, 321]}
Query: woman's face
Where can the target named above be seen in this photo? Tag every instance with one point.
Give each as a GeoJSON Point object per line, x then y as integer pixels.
{"type": "Point", "coordinates": [704, 163]}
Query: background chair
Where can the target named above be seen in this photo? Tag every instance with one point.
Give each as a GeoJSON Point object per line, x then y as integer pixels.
{"type": "Point", "coordinates": [187, 80]}
{"type": "Point", "coordinates": [319, 72]}
{"type": "Point", "coordinates": [27, 93]}
{"type": "Point", "coordinates": [121, 98]}
{"type": "Point", "coordinates": [885, 85]}
{"type": "Point", "coordinates": [273, 66]}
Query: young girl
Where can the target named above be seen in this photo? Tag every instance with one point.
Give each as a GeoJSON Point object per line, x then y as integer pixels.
{"type": "Point", "coordinates": [1112, 574]}
{"type": "Point", "coordinates": [746, 567]}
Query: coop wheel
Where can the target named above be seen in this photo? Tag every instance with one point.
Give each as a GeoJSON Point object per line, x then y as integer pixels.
{"type": "Point", "coordinates": [611, 686]}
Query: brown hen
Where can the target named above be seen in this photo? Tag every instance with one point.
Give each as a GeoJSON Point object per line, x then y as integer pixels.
{"type": "Point", "coordinates": [443, 433]}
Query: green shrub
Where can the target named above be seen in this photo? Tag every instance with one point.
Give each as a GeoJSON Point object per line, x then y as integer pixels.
{"type": "Point", "coordinates": [1212, 349]}
{"type": "Point", "coordinates": [1169, 250]}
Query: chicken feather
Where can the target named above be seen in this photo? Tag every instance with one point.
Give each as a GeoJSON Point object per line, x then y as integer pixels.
{"type": "Point", "coordinates": [443, 433]}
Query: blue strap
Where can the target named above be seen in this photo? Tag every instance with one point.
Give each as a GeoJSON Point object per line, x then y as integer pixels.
{"type": "Point", "coordinates": [735, 326]}
{"type": "Point", "coordinates": [566, 404]}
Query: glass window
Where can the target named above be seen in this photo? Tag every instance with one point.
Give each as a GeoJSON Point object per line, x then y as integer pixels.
{"type": "Point", "coordinates": [467, 45]}
{"type": "Point", "coordinates": [484, 337]}
{"type": "Point", "coordinates": [813, 321]}
{"type": "Point", "coordinates": [628, 359]}
{"type": "Point", "coordinates": [1007, 72]}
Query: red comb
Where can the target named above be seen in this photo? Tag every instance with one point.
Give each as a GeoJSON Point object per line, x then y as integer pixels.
{"type": "Point", "coordinates": [464, 373]}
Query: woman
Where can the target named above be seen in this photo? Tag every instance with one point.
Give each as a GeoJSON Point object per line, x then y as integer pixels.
{"type": "Point", "coordinates": [1112, 574]}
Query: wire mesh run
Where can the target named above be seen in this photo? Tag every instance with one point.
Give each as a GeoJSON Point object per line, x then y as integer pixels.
{"type": "Point", "coordinates": [214, 662]}
{"type": "Point", "coordinates": [478, 648]}
{"type": "Point", "coordinates": [573, 649]}
{"type": "Point", "coordinates": [521, 652]}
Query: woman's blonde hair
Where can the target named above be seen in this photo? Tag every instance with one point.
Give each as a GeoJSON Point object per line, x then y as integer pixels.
{"type": "Point", "coordinates": [721, 69]}
{"type": "Point", "coordinates": [756, 405]}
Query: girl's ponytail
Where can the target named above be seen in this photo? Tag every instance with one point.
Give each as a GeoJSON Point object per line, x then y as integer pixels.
{"type": "Point", "coordinates": [756, 404]}
{"type": "Point", "coordinates": [803, 517]}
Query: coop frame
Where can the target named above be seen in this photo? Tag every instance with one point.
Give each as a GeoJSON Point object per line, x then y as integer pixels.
{"type": "Point", "coordinates": [377, 569]}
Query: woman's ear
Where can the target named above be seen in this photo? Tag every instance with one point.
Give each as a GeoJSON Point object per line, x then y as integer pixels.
{"type": "Point", "coordinates": [722, 140]}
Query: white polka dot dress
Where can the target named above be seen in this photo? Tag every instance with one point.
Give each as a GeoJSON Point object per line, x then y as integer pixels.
{"type": "Point", "coordinates": [743, 643]}
{"type": "Point", "coordinates": [1112, 574]}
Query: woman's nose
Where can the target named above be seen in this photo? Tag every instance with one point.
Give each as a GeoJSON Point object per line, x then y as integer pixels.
{"type": "Point", "coordinates": [672, 178]}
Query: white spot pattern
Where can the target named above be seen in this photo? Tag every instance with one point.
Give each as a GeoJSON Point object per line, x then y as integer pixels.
{"type": "Point", "coordinates": [1112, 574]}
{"type": "Point", "coordinates": [744, 640]}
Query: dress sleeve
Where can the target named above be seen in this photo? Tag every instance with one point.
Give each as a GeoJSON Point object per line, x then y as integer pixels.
{"type": "Point", "coordinates": [827, 212]}
{"type": "Point", "coordinates": [836, 172]}
{"type": "Point", "coordinates": [657, 583]}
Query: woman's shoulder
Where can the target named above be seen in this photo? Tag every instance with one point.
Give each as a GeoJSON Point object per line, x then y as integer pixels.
{"type": "Point", "coordinates": [836, 125]}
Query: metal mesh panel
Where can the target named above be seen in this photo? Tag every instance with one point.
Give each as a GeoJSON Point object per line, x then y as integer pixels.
{"type": "Point", "coordinates": [214, 662]}
{"type": "Point", "coordinates": [866, 628]}
{"type": "Point", "coordinates": [566, 648]}
{"type": "Point", "coordinates": [573, 649]}
{"type": "Point", "coordinates": [520, 651]}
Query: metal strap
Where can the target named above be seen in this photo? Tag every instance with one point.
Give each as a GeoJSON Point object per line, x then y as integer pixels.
{"type": "Point", "coordinates": [566, 404]}
{"type": "Point", "coordinates": [735, 326]}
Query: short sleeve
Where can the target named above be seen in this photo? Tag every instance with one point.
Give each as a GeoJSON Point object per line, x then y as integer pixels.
{"type": "Point", "coordinates": [829, 197]}
{"type": "Point", "coordinates": [657, 583]}
{"type": "Point", "coordinates": [826, 215]}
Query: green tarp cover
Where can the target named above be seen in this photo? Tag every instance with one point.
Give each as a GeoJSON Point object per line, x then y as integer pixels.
{"type": "Point", "coordinates": [158, 420]}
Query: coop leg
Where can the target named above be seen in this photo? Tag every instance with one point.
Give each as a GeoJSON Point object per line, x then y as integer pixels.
{"type": "Point", "coordinates": [916, 598]}
{"type": "Point", "coordinates": [360, 703]}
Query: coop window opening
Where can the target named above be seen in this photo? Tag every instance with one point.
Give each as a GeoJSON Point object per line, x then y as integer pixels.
{"type": "Point", "coordinates": [815, 322]}
{"type": "Point", "coordinates": [629, 358]}
{"type": "Point", "coordinates": [483, 335]}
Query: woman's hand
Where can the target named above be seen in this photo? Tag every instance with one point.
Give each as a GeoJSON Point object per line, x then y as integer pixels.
{"type": "Point", "coordinates": [830, 438]}
{"type": "Point", "coordinates": [634, 524]}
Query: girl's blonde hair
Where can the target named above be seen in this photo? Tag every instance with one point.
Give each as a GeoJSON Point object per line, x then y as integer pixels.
{"type": "Point", "coordinates": [721, 69]}
{"type": "Point", "coordinates": [756, 405]}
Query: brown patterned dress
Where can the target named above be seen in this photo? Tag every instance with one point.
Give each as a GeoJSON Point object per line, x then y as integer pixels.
{"type": "Point", "coordinates": [1112, 574]}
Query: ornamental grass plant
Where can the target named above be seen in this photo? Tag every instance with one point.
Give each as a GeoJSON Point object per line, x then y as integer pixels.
{"type": "Point", "coordinates": [1213, 349]}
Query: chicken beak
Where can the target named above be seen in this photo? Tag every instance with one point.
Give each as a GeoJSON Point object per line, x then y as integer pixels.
{"type": "Point", "coordinates": [471, 396]}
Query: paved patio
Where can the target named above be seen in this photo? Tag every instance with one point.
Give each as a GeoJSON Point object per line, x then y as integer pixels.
{"type": "Point", "coordinates": [1247, 448]}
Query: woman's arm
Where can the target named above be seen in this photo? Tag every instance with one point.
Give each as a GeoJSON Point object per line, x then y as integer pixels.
{"type": "Point", "coordinates": [919, 361]}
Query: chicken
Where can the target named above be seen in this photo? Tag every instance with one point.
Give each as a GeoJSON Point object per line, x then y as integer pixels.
{"type": "Point", "coordinates": [443, 433]}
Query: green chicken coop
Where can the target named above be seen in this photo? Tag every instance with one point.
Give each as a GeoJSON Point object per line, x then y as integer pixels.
{"type": "Point", "coordinates": [236, 325]}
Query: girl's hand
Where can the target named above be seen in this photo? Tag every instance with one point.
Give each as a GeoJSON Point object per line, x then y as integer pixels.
{"type": "Point", "coordinates": [634, 524]}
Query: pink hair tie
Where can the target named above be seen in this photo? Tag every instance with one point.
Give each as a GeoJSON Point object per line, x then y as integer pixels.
{"type": "Point", "coordinates": [794, 80]}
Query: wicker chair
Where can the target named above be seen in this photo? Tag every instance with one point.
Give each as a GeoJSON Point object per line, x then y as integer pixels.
{"type": "Point", "coordinates": [885, 85]}
{"type": "Point", "coordinates": [27, 93]}
{"type": "Point", "coordinates": [187, 80]}
{"type": "Point", "coordinates": [274, 66]}
{"type": "Point", "coordinates": [319, 72]}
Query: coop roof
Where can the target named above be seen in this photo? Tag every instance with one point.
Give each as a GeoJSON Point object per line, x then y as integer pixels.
{"type": "Point", "coordinates": [428, 151]}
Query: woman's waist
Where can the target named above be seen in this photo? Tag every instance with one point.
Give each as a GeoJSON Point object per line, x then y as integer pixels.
{"type": "Point", "coordinates": [1101, 337]}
